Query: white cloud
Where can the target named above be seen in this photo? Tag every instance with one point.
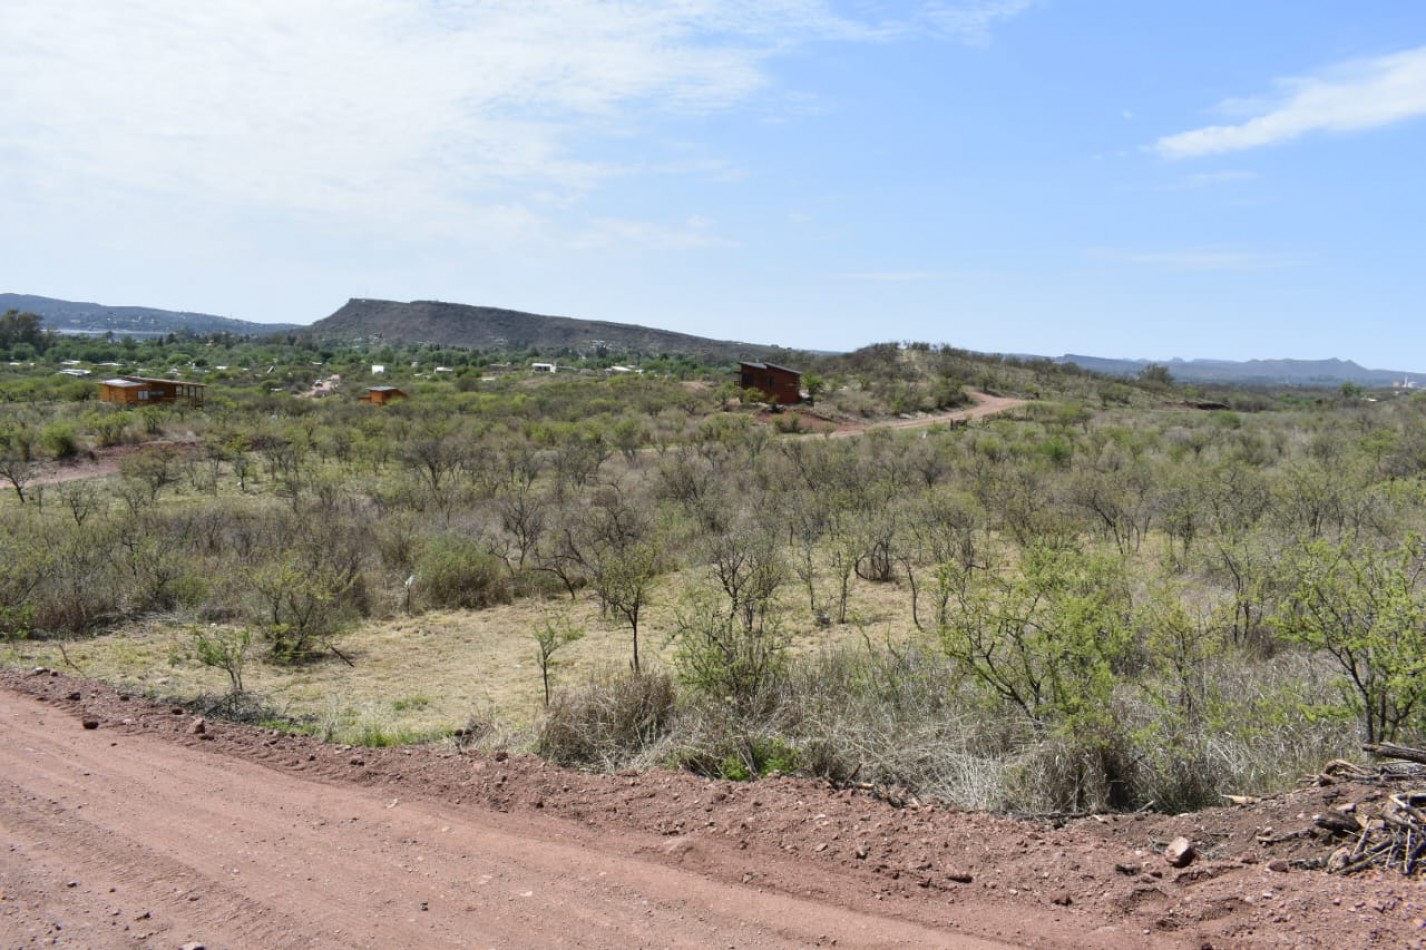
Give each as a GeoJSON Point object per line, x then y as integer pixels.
{"type": "Point", "coordinates": [1200, 259]}
{"type": "Point", "coordinates": [304, 105]}
{"type": "Point", "coordinates": [388, 111]}
{"type": "Point", "coordinates": [971, 22]}
{"type": "Point", "coordinates": [1354, 96]}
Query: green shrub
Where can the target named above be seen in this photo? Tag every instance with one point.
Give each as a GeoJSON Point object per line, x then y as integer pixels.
{"type": "Point", "coordinates": [755, 756]}
{"type": "Point", "coordinates": [726, 659]}
{"type": "Point", "coordinates": [457, 573]}
{"type": "Point", "coordinates": [59, 440]}
{"type": "Point", "coordinates": [300, 602]}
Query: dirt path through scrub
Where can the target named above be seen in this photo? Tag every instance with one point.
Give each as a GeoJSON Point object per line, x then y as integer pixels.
{"type": "Point", "coordinates": [985, 405]}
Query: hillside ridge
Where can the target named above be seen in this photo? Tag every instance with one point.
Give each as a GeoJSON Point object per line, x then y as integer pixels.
{"type": "Point", "coordinates": [453, 324]}
{"type": "Point", "coordinates": [73, 316]}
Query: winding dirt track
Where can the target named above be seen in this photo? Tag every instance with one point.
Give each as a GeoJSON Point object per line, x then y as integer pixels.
{"type": "Point", "coordinates": [114, 838]}
{"type": "Point", "coordinates": [985, 405]}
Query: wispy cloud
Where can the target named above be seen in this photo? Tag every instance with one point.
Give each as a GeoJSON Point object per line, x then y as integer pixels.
{"type": "Point", "coordinates": [1354, 96]}
{"type": "Point", "coordinates": [972, 22]}
{"type": "Point", "coordinates": [1199, 259]}
{"type": "Point", "coordinates": [390, 111]}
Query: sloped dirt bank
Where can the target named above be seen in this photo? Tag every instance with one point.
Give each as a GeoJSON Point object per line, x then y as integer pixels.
{"type": "Point", "coordinates": [143, 831]}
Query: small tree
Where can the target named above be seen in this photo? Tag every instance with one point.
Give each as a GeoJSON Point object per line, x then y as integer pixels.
{"type": "Point", "coordinates": [1366, 610]}
{"type": "Point", "coordinates": [300, 601]}
{"type": "Point", "coordinates": [550, 637]}
{"type": "Point", "coordinates": [724, 657]}
{"type": "Point", "coordinates": [18, 471]}
{"type": "Point", "coordinates": [1156, 376]}
{"type": "Point", "coordinates": [1045, 636]}
{"type": "Point", "coordinates": [225, 649]}
{"type": "Point", "coordinates": [81, 498]}
{"type": "Point", "coordinates": [623, 552]}
{"type": "Point", "coordinates": [18, 465]}
{"type": "Point", "coordinates": [624, 579]}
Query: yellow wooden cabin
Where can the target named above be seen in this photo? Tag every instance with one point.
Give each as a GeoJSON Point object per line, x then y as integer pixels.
{"type": "Point", "coordinates": [381, 395]}
{"type": "Point", "coordinates": [142, 391]}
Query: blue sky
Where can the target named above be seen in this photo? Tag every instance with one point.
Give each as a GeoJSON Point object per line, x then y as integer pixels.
{"type": "Point", "coordinates": [1135, 179]}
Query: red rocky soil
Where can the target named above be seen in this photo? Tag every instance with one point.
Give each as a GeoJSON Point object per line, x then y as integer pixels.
{"type": "Point", "coordinates": [125, 823]}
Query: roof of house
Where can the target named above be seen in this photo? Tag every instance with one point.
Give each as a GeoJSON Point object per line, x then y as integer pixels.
{"type": "Point", "coordinates": [123, 383]}
{"type": "Point", "coordinates": [166, 382]}
{"type": "Point", "coordinates": [774, 366]}
{"type": "Point", "coordinates": [385, 389]}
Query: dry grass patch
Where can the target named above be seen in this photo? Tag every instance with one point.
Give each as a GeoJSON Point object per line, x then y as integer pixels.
{"type": "Point", "coordinates": [425, 674]}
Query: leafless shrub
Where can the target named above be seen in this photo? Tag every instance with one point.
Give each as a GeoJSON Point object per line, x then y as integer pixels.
{"type": "Point", "coordinates": [610, 723]}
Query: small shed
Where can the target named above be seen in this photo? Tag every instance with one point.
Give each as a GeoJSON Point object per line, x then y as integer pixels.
{"type": "Point", "coordinates": [381, 395]}
{"type": "Point", "coordinates": [143, 391]}
{"type": "Point", "coordinates": [781, 386]}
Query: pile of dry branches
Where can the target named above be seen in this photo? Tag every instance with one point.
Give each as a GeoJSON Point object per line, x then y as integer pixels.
{"type": "Point", "coordinates": [1391, 836]}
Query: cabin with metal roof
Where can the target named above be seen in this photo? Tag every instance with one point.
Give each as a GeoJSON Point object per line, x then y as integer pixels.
{"type": "Point", "coordinates": [143, 391]}
{"type": "Point", "coordinates": [781, 386]}
{"type": "Point", "coordinates": [381, 395]}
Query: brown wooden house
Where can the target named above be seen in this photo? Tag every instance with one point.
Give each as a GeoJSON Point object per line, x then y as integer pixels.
{"type": "Point", "coordinates": [781, 386]}
{"type": "Point", "coordinates": [381, 395]}
{"type": "Point", "coordinates": [142, 391]}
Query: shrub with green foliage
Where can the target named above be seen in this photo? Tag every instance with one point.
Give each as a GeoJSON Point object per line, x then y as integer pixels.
{"type": "Point", "coordinates": [1366, 608]}
{"type": "Point", "coordinates": [458, 573]}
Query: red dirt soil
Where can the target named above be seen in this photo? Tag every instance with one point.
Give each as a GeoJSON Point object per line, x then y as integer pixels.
{"type": "Point", "coordinates": [122, 826]}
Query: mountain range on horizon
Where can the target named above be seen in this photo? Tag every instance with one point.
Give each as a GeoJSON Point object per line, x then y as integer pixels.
{"type": "Point", "coordinates": [452, 324]}
{"type": "Point", "coordinates": [1269, 372]}
{"type": "Point", "coordinates": [72, 316]}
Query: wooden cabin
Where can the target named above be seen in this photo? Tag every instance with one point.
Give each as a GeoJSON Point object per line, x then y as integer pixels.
{"type": "Point", "coordinates": [381, 395]}
{"type": "Point", "coordinates": [143, 391]}
{"type": "Point", "coordinates": [780, 385]}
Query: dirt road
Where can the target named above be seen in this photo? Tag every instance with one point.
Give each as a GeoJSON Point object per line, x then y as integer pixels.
{"type": "Point", "coordinates": [115, 837]}
{"type": "Point", "coordinates": [985, 405]}
{"type": "Point", "coordinates": [144, 832]}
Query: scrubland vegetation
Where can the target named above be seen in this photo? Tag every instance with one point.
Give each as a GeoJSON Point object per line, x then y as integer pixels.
{"type": "Point", "coordinates": [1106, 599]}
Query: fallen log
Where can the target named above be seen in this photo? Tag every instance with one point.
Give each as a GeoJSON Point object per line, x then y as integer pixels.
{"type": "Point", "coordinates": [1390, 750]}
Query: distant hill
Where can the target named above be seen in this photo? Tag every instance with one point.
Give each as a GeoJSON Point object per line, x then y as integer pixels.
{"type": "Point", "coordinates": [68, 316]}
{"type": "Point", "coordinates": [453, 324]}
{"type": "Point", "coordinates": [1252, 372]}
